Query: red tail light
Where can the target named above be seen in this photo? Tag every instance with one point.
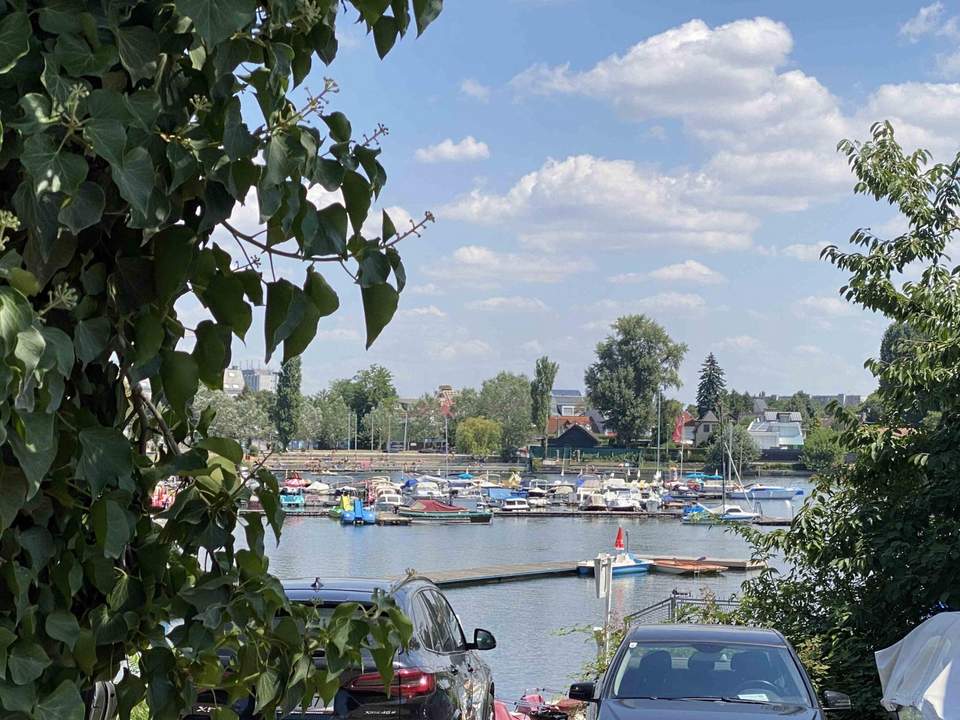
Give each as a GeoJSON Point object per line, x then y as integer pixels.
{"type": "Point", "coordinates": [407, 683]}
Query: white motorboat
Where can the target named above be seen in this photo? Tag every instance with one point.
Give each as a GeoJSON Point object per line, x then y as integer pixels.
{"type": "Point", "coordinates": [594, 502]}
{"type": "Point", "coordinates": [760, 491]}
{"type": "Point", "coordinates": [621, 499]}
{"type": "Point", "coordinates": [388, 502]}
{"type": "Point", "coordinates": [702, 515]}
{"type": "Point", "coordinates": [560, 494]}
{"type": "Point", "coordinates": [514, 505]}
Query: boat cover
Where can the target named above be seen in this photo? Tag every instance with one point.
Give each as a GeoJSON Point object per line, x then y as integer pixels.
{"type": "Point", "coordinates": [434, 506]}
{"type": "Point", "coordinates": [922, 671]}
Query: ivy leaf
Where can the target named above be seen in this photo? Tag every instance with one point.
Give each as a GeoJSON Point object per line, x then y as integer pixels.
{"type": "Point", "coordinates": [148, 337]}
{"type": "Point", "coordinates": [224, 297]}
{"type": "Point", "coordinates": [268, 685]}
{"type": "Point", "coordinates": [180, 377]}
{"type": "Point", "coordinates": [64, 703]}
{"type": "Point", "coordinates": [135, 178]}
{"type": "Point", "coordinates": [108, 138]}
{"type": "Point", "coordinates": [105, 458]}
{"type": "Point", "coordinates": [90, 338]}
{"type": "Point", "coordinates": [15, 34]}
{"type": "Point", "coordinates": [212, 352]}
{"type": "Point", "coordinates": [216, 20]}
{"type": "Point", "coordinates": [26, 662]}
{"type": "Point", "coordinates": [388, 228]}
{"type": "Point", "coordinates": [371, 10]}
{"type": "Point", "coordinates": [284, 157]}
{"type": "Point", "coordinates": [61, 348]}
{"type": "Point", "coordinates": [173, 257]}
{"type": "Point", "coordinates": [110, 527]}
{"type": "Point", "coordinates": [425, 12]}
{"type": "Point", "coordinates": [13, 495]}
{"type": "Point", "coordinates": [339, 125]}
{"type": "Point", "coordinates": [285, 308]}
{"type": "Point", "coordinates": [60, 16]}
{"type": "Point", "coordinates": [329, 235]}
{"type": "Point", "coordinates": [384, 35]}
{"type": "Point", "coordinates": [52, 168]}
{"type": "Point", "coordinates": [34, 444]}
{"type": "Point", "coordinates": [63, 626]}
{"type": "Point", "coordinates": [322, 300]}
{"type": "Point", "coordinates": [36, 114]}
{"type": "Point", "coordinates": [379, 305]}
{"type": "Point", "coordinates": [329, 173]}
{"type": "Point", "coordinates": [238, 143]}
{"type": "Point", "coordinates": [15, 315]}
{"type": "Point", "coordinates": [356, 196]}
{"type": "Point", "coordinates": [139, 50]}
{"type": "Point", "coordinates": [75, 56]}
{"type": "Point", "coordinates": [225, 447]}
{"type": "Point", "coordinates": [84, 208]}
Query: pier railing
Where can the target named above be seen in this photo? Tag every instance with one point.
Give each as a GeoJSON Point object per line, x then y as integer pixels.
{"type": "Point", "coordinates": [679, 607]}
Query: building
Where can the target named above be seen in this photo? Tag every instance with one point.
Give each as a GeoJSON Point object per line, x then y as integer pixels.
{"type": "Point", "coordinates": [233, 382]}
{"type": "Point", "coordinates": [777, 430]}
{"type": "Point", "coordinates": [843, 399]}
{"type": "Point", "coordinates": [576, 436]}
{"type": "Point", "coordinates": [698, 432]}
{"type": "Point", "coordinates": [260, 379]}
{"type": "Point", "coordinates": [559, 424]}
{"type": "Point", "coordinates": [567, 402]}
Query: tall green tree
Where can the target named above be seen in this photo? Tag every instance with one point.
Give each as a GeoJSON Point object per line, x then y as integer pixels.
{"type": "Point", "coordinates": [541, 389]}
{"type": "Point", "coordinates": [712, 387]}
{"type": "Point", "coordinates": [737, 405]}
{"type": "Point", "coordinates": [505, 398]}
{"type": "Point", "coordinates": [384, 423]}
{"type": "Point", "coordinates": [633, 364]}
{"type": "Point", "coordinates": [244, 418]}
{"type": "Point", "coordinates": [323, 418]}
{"type": "Point", "coordinates": [130, 133]}
{"type": "Point", "coordinates": [424, 420]}
{"type": "Point", "coordinates": [286, 408]}
{"type": "Point", "coordinates": [670, 410]}
{"type": "Point", "coordinates": [869, 556]}
{"type": "Point", "coordinates": [364, 391]}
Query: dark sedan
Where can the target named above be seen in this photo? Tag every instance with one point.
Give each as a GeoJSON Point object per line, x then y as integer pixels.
{"type": "Point", "coordinates": [705, 672]}
{"type": "Point", "coordinates": [438, 677]}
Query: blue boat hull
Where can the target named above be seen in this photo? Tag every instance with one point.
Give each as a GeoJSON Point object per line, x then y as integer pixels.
{"type": "Point", "coordinates": [622, 570]}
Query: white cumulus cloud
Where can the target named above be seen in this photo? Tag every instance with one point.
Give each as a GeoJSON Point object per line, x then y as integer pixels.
{"type": "Point", "coordinates": [616, 203]}
{"type": "Point", "coordinates": [807, 252]}
{"type": "Point", "coordinates": [449, 151]}
{"type": "Point", "coordinates": [459, 349]}
{"type": "Point", "coordinates": [483, 266]}
{"type": "Point", "coordinates": [516, 303]}
{"type": "Point", "coordinates": [926, 22]}
{"type": "Point", "coordinates": [425, 289]}
{"type": "Point", "coordinates": [740, 343]}
{"type": "Point", "coordinates": [474, 89]}
{"type": "Point", "coordinates": [688, 271]}
{"type": "Point", "coordinates": [425, 311]}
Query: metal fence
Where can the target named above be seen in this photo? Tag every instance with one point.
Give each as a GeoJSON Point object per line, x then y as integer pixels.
{"type": "Point", "coordinates": [675, 607]}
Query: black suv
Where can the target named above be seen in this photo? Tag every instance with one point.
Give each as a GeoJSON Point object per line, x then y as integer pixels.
{"type": "Point", "coordinates": [440, 676]}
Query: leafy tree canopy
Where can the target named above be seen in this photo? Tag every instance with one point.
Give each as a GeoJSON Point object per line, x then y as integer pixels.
{"type": "Point", "coordinates": [367, 389]}
{"type": "Point", "coordinates": [871, 553]}
{"type": "Point", "coordinates": [821, 450]}
{"type": "Point", "coordinates": [743, 448]}
{"type": "Point", "coordinates": [478, 436]}
{"type": "Point", "coordinates": [324, 419]}
{"type": "Point", "coordinates": [123, 148]}
{"type": "Point", "coordinates": [632, 364]}
{"type": "Point", "coordinates": [540, 391]}
{"type": "Point", "coordinates": [505, 398]}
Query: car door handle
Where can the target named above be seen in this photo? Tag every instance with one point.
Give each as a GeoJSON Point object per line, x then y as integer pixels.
{"type": "Point", "coordinates": [454, 670]}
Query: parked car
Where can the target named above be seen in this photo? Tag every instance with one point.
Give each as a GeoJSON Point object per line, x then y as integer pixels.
{"type": "Point", "coordinates": [705, 672]}
{"type": "Point", "coordinates": [440, 676]}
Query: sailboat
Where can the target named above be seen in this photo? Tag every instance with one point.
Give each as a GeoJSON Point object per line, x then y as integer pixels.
{"type": "Point", "coordinates": [700, 514]}
{"type": "Point", "coordinates": [624, 562]}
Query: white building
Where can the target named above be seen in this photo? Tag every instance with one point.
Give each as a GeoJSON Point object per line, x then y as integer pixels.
{"type": "Point", "coordinates": [233, 382]}
{"type": "Point", "coordinates": [258, 379]}
{"type": "Point", "coordinates": [777, 430]}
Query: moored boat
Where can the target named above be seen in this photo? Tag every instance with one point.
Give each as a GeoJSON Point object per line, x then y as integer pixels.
{"type": "Point", "coordinates": [514, 505]}
{"type": "Point", "coordinates": [701, 515]}
{"type": "Point", "coordinates": [594, 502]}
{"type": "Point", "coordinates": [434, 511]}
{"type": "Point", "coordinates": [759, 491]}
{"type": "Point", "coordinates": [688, 567]}
{"type": "Point", "coordinates": [624, 562]}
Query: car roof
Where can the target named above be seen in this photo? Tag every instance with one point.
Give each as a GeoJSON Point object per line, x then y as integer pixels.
{"type": "Point", "coordinates": [706, 633]}
{"type": "Point", "coordinates": [337, 590]}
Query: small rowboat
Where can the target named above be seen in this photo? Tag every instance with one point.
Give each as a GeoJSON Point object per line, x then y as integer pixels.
{"type": "Point", "coordinates": [688, 567]}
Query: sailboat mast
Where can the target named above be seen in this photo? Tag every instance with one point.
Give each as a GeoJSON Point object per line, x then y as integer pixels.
{"type": "Point", "coordinates": [658, 432]}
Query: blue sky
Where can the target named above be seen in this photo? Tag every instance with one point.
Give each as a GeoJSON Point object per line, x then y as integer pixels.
{"type": "Point", "coordinates": [590, 158]}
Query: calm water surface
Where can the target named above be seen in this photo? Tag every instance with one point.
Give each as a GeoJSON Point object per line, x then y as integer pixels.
{"type": "Point", "coordinates": [524, 616]}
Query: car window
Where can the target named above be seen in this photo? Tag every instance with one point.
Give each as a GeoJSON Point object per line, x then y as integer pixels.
{"type": "Point", "coordinates": [762, 673]}
{"type": "Point", "coordinates": [439, 634]}
{"type": "Point", "coordinates": [432, 632]}
{"type": "Point", "coordinates": [449, 618]}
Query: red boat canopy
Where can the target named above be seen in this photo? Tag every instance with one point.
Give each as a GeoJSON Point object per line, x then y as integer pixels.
{"type": "Point", "coordinates": [435, 506]}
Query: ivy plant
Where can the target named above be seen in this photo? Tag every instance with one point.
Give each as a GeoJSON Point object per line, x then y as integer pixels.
{"type": "Point", "coordinates": [124, 146]}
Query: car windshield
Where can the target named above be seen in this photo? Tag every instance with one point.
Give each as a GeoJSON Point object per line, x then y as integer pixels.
{"type": "Point", "coordinates": [726, 671]}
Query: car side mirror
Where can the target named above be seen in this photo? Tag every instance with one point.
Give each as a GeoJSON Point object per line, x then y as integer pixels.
{"type": "Point", "coordinates": [833, 700]}
{"type": "Point", "coordinates": [583, 691]}
{"type": "Point", "coordinates": [482, 640]}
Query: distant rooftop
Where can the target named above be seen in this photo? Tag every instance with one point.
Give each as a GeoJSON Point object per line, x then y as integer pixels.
{"type": "Point", "coordinates": [567, 393]}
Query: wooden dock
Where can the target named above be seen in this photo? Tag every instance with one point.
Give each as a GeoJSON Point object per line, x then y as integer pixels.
{"type": "Point", "coordinates": [494, 574]}
{"type": "Point", "coordinates": [639, 514]}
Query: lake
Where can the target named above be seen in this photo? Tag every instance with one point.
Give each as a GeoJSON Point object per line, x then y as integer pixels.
{"type": "Point", "coordinates": [524, 616]}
